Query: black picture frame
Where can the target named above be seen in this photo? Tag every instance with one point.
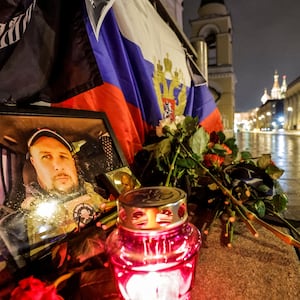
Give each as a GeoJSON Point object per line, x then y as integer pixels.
{"type": "Point", "coordinates": [97, 152]}
{"type": "Point", "coordinates": [18, 123]}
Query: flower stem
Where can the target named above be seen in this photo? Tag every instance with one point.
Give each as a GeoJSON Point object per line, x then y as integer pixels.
{"type": "Point", "coordinates": [284, 237]}
{"type": "Point", "coordinates": [109, 218]}
{"type": "Point", "coordinates": [62, 278]}
{"type": "Point", "coordinates": [172, 166]}
{"type": "Point", "coordinates": [247, 222]}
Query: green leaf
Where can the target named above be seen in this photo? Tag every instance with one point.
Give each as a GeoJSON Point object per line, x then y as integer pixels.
{"type": "Point", "coordinates": [180, 174]}
{"type": "Point", "coordinates": [221, 136]}
{"type": "Point", "coordinates": [264, 161]}
{"type": "Point", "coordinates": [245, 155]}
{"type": "Point", "coordinates": [280, 201]}
{"type": "Point", "coordinates": [260, 208]}
{"type": "Point", "coordinates": [231, 143]}
{"type": "Point", "coordinates": [218, 149]}
{"type": "Point", "coordinates": [263, 188]}
{"type": "Point", "coordinates": [190, 125]}
{"type": "Point", "coordinates": [277, 187]}
{"type": "Point", "coordinates": [187, 163]}
{"type": "Point", "coordinates": [274, 172]}
{"type": "Point", "coordinates": [198, 141]}
{"type": "Point", "coordinates": [161, 148]}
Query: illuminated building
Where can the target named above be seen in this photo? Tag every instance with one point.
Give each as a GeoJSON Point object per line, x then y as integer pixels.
{"type": "Point", "coordinates": [292, 106]}
{"type": "Point", "coordinates": [211, 37]}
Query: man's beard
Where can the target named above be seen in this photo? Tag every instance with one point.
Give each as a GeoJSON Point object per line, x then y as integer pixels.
{"type": "Point", "coordinates": [38, 192]}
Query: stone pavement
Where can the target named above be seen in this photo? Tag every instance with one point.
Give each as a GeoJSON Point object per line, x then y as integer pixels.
{"type": "Point", "coordinates": [257, 268]}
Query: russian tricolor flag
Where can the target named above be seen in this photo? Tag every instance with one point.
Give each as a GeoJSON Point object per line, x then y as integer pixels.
{"type": "Point", "coordinates": [116, 56]}
{"type": "Point", "coordinates": [145, 73]}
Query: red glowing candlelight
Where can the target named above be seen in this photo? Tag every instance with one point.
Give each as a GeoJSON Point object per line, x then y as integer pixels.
{"type": "Point", "coordinates": [153, 251]}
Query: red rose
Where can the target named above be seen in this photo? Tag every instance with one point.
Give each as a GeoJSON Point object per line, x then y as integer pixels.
{"type": "Point", "coordinates": [213, 160]}
{"type": "Point", "coordinates": [34, 289]}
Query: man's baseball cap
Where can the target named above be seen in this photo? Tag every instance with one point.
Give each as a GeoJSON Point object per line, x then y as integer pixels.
{"type": "Point", "coordinates": [49, 133]}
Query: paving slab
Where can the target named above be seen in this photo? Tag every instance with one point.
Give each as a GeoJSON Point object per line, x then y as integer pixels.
{"type": "Point", "coordinates": [262, 268]}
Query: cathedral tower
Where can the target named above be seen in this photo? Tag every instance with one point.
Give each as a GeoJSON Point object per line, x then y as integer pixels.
{"type": "Point", "coordinates": [211, 37]}
{"type": "Point", "coordinates": [276, 92]}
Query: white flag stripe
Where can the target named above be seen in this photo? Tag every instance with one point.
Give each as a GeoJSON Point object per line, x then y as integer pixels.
{"type": "Point", "coordinates": [141, 24]}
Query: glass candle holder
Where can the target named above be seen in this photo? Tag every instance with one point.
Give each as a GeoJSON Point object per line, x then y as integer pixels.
{"type": "Point", "coordinates": [154, 249]}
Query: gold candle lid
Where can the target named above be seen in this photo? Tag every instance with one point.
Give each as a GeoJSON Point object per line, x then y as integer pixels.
{"type": "Point", "coordinates": [152, 208]}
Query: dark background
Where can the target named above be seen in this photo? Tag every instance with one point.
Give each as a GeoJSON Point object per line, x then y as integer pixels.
{"type": "Point", "coordinates": [266, 37]}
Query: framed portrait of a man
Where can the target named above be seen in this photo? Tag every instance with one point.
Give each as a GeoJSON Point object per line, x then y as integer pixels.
{"type": "Point", "coordinates": [89, 134]}
{"type": "Point", "coordinates": [50, 170]}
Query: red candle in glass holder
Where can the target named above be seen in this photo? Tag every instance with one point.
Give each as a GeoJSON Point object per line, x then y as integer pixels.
{"type": "Point", "coordinates": [154, 250]}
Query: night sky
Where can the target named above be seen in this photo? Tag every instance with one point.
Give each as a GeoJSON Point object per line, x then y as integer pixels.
{"type": "Point", "coordinates": [266, 37]}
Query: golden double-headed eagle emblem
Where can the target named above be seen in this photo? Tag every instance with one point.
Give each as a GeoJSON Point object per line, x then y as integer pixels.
{"type": "Point", "coordinates": [169, 87]}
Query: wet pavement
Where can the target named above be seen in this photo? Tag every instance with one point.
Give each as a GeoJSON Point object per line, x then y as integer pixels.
{"type": "Point", "coordinates": [262, 267]}
{"type": "Point", "coordinates": [284, 148]}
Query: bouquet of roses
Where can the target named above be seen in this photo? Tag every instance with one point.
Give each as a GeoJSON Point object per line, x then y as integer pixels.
{"type": "Point", "coordinates": [230, 184]}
